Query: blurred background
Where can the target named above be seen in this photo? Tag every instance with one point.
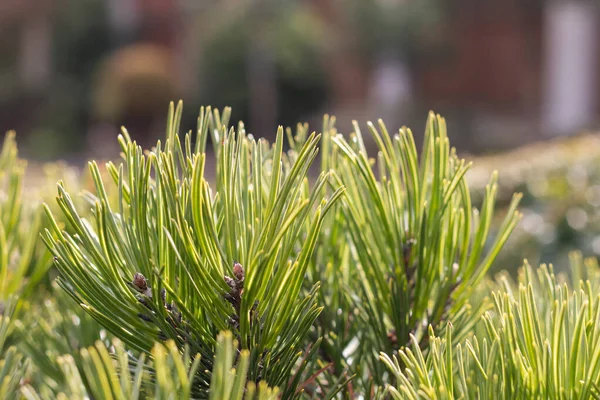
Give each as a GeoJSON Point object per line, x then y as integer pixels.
{"type": "Point", "coordinates": [504, 73]}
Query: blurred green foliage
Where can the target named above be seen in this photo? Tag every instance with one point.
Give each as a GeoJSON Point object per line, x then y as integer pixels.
{"type": "Point", "coordinates": [292, 39]}
{"type": "Point", "coordinates": [560, 182]}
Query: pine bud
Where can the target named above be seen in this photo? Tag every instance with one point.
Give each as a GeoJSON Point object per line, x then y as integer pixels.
{"type": "Point", "coordinates": [393, 338]}
{"type": "Point", "coordinates": [230, 282]}
{"type": "Point", "coordinates": [238, 272]}
{"type": "Point", "coordinates": [139, 281]}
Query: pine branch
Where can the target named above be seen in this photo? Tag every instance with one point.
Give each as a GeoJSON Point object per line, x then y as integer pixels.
{"type": "Point", "coordinates": [419, 247]}
{"type": "Point", "coordinates": [156, 259]}
{"type": "Point", "coordinates": [540, 342]}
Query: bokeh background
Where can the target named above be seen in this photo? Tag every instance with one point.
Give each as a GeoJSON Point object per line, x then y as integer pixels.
{"type": "Point", "coordinates": [505, 73]}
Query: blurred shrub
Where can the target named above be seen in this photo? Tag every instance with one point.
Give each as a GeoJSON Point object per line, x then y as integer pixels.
{"type": "Point", "coordinates": [136, 80]}
{"type": "Point", "coordinates": [52, 115]}
{"type": "Point", "coordinates": [81, 36]}
{"type": "Point", "coordinates": [400, 26]}
{"type": "Point", "coordinates": [80, 40]}
{"type": "Point", "coordinates": [560, 182]}
{"type": "Point", "coordinates": [294, 39]}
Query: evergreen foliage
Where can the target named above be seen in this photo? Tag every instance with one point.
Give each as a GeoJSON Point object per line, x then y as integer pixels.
{"type": "Point", "coordinates": [270, 279]}
{"type": "Point", "coordinates": [541, 341]}
{"type": "Point", "coordinates": [418, 244]}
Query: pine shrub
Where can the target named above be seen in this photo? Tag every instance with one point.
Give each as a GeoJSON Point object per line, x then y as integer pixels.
{"type": "Point", "coordinates": [304, 268]}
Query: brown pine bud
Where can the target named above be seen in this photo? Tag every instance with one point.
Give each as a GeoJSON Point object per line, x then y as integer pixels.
{"type": "Point", "coordinates": [230, 282]}
{"type": "Point", "coordinates": [238, 272]}
{"type": "Point", "coordinates": [139, 281]}
{"type": "Point", "coordinates": [393, 338]}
